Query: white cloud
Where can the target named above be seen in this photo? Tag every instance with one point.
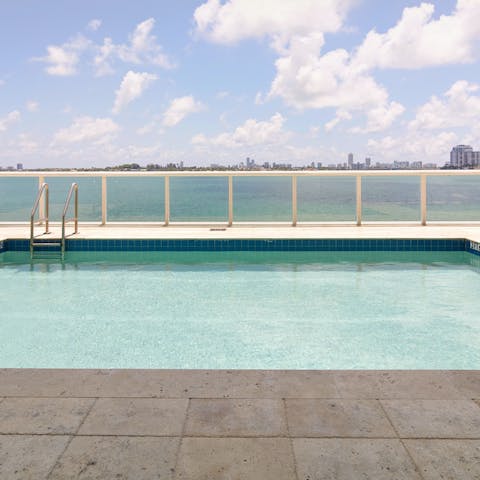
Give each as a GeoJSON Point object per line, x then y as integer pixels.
{"type": "Point", "coordinates": [132, 87]}
{"type": "Point", "coordinates": [62, 60]}
{"type": "Point", "coordinates": [87, 129]}
{"type": "Point", "coordinates": [94, 24]}
{"type": "Point", "coordinates": [179, 108]}
{"type": "Point", "coordinates": [237, 20]}
{"type": "Point", "coordinates": [307, 79]}
{"type": "Point", "coordinates": [32, 106]}
{"type": "Point", "coordinates": [414, 146]}
{"type": "Point", "coordinates": [418, 40]}
{"type": "Point", "coordinates": [459, 108]}
{"type": "Point", "coordinates": [251, 133]}
{"type": "Point", "coordinates": [380, 118]}
{"type": "Point", "coordinates": [10, 118]}
{"type": "Point", "coordinates": [339, 116]}
{"type": "Point", "coordinates": [142, 49]}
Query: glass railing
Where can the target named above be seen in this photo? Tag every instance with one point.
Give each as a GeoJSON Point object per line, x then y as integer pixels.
{"type": "Point", "coordinates": [291, 197]}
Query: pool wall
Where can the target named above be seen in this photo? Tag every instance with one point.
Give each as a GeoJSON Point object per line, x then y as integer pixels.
{"type": "Point", "coordinates": [255, 245]}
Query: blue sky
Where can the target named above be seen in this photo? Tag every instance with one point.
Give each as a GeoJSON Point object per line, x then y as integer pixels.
{"type": "Point", "coordinates": [96, 83]}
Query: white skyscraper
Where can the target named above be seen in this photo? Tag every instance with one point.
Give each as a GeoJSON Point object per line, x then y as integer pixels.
{"type": "Point", "coordinates": [463, 156]}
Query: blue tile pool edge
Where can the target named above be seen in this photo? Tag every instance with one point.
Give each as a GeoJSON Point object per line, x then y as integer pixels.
{"type": "Point", "coordinates": [459, 244]}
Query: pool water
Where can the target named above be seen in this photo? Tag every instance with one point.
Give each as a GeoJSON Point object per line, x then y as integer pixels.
{"type": "Point", "coordinates": [229, 310]}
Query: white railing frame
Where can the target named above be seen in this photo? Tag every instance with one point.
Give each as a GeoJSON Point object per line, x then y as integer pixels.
{"type": "Point", "coordinates": [229, 174]}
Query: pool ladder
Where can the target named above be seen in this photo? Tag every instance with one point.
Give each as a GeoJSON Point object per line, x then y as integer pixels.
{"type": "Point", "coordinates": [51, 248]}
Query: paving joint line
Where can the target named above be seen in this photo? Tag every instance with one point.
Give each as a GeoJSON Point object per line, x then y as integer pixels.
{"type": "Point", "coordinates": [290, 439]}
{"type": "Point", "coordinates": [73, 435]}
{"type": "Point", "coordinates": [401, 440]}
{"type": "Point", "coordinates": [182, 434]}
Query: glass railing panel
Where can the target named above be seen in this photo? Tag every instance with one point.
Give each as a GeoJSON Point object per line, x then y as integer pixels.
{"type": "Point", "coordinates": [453, 198]}
{"type": "Point", "coordinates": [388, 198]}
{"type": "Point", "coordinates": [136, 199]}
{"type": "Point", "coordinates": [262, 199]}
{"type": "Point", "coordinates": [326, 199]}
{"type": "Point", "coordinates": [17, 195]}
{"type": "Point", "coordinates": [198, 199]}
{"type": "Point", "coordinates": [89, 197]}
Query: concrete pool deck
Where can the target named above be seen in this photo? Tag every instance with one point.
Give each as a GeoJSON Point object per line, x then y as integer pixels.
{"type": "Point", "coordinates": [217, 424]}
{"type": "Point", "coordinates": [254, 424]}
{"type": "Point", "coordinates": [149, 231]}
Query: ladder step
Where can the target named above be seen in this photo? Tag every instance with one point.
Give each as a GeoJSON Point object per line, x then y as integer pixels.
{"type": "Point", "coordinates": [46, 244]}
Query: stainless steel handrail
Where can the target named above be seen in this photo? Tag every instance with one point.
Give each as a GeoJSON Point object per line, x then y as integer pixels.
{"type": "Point", "coordinates": [43, 189]}
{"type": "Point", "coordinates": [73, 188]}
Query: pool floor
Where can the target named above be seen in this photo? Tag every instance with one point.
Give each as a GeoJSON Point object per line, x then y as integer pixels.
{"type": "Point", "coordinates": [242, 310]}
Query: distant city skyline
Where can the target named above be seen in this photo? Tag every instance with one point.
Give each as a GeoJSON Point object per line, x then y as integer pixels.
{"type": "Point", "coordinates": [94, 84]}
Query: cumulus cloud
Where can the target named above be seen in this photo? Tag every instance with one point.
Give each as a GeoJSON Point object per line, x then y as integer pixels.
{"type": "Point", "coordinates": [418, 40]}
{"type": "Point", "coordinates": [237, 20]}
{"type": "Point", "coordinates": [414, 146]}
{"type": "Point", "coordinates": [251, 133]}
{"type": "Point", "coordinates": [62, 60]}
{"type": "Point", "coordinates": [9, 119]}
{"type": "Point", "coordinates": [131, 88]}
{"type": "Point", "coordinates": [307, 78]}
{"type": "Point", "coordinates": [94, 24]}
{"type": "Point", "coordinates": [142, 49]}
{"type": "Point", "coordinates": [340, 115]}
{"type": "Point", "coordinates": [179, 108]}
{"type": "Point", "coordinates": [459, 107]}
{"type": "Point", "coordinates": [380, 118]}
{"type": "Point", "coordinates": [87, 129]}
{"type": "Point", "coordinates": [32, 106]}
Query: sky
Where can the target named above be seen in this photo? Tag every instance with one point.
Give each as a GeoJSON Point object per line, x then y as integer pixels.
{"type": "Point", "coordinates": [93, 83]}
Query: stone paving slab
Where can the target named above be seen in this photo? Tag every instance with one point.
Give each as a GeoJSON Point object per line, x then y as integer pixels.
{"type": "Point", "coordinates": [105, 458]}
{"type": "Point", "coordinates": [29, 457]}
{"type": "Point", "coordinates": [136, 416]}
{"type": "Point", "coordinates": [446, 459]}
{"type": "Point", "coordinates": [347, 459]}
{"type": "Point", "coordinates": [426, 384]}
{"type": "Point", "coordinates": [368, 384]}
{"type": "Point", "coordinates": [434, 418]}
{"type": "Point", "coordinates": [236, 417]}
{"type": "Point", "coordinates": [43, 415]}
{"type": "Point", "coordinates": [168, 383]}
{"type": "Point", "coordinates": [235, 459]}
{"type": "Point", "coordinates": [467, 382]}
{"type": "Point", "coordinates": [337, 418]}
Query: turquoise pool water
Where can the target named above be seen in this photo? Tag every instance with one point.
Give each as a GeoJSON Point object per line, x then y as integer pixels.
{"type": "Point", "coordinates": [276, 310]}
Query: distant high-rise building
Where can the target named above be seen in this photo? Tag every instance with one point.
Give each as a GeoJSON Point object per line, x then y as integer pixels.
{"type": "Point", "coordinates": [368, 162]}
{"type": "Point", "coordinates": [350, 161]}
{"type": "Point", "coordinates": [19, 166]}
{"type": "Point", "coordinates": [463, 156]}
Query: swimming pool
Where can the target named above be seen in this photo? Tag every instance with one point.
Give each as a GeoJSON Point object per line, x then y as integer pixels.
{"type": "Point", "coordinates": [242, 309]}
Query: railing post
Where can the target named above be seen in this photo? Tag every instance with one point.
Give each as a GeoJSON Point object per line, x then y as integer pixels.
{"type": "Point", "coordinates": [359, 200]}
{"type": "Point", "coordinates": [104, 199]}
{"type": "Point", "coordinates": [167, 200]}
{"type": "Point", "coordinates": [423, 198]}
{"type": "Point", "coordinates": [294, 200]}
{"type": "Point", "coordinates": [230, 200]}
{"type": "Point", "coordinates": [76, 208]}
{"type": "Point", "coordinates": [41, 206]}
{"type": "Point", "coordinates": [47, 213]}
